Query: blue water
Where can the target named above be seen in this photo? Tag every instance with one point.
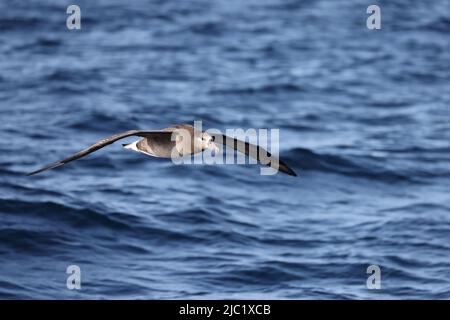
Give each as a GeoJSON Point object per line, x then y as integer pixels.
{"type": "Point", "coordinates": [364, 120]}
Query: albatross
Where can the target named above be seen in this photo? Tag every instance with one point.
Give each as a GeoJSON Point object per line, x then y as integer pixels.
{"type": "Point", "coordinates": [177, 141]}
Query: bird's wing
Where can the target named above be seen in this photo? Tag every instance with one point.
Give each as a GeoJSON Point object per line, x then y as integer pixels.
{"type": "Point", "coordinates": [102, 143]}
{"type": "Point", "coordinates": [254, 151]}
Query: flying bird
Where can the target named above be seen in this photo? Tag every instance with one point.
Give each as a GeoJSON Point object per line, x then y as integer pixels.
{"type": "Point", "coordinates": [177, 141]}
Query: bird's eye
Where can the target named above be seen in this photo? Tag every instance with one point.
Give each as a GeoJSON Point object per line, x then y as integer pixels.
{"type": "Point", "coordinates": [213, 138]}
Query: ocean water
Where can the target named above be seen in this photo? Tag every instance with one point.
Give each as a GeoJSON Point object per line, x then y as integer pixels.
{"type": "Point", "coordinates": [364, 120]}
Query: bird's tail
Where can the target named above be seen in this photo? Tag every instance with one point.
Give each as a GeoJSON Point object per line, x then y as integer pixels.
{"type": "Point", "coordinates": [132, 146]}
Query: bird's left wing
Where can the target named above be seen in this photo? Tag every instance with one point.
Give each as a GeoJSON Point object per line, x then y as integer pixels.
{"type": "Point", "coordinates": [103, 143]}
{"type": "Point", "coordinates": [254, 151]}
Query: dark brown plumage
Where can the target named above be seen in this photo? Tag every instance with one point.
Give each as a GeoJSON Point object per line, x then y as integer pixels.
{"type": "Point", "coordinates": [179, 140]}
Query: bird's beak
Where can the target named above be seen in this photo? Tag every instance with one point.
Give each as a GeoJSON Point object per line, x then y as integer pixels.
{"type": "Point", "coordinates": [213, 147]}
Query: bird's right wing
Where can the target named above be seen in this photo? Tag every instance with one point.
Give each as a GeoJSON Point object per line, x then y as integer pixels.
{"type": "Point", "coordinates": [254, 151]}
{"type": "Point", "coordinates": [103, 143]}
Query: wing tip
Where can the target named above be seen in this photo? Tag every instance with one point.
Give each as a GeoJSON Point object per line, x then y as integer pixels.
{"type": "Point", "coordinates": [283, 167]}
{"type": "Point", "coordinates": [33, 172]}
{"type": "Point", "coordinates": [290, 172]}
{"type": "Point", "coordinates": [49, 167]}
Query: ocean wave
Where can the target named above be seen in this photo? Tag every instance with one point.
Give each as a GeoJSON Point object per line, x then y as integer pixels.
{"type": "Point", "coordinates": [364, 167]}
{"type": "Point", "coordinates": [64, 214]}
{"type": "Point", "coordinates": [251, 90]}
{"type": "Point", "coordinates": [82, 218]}
{"type": "Point", "coordinates": [21, 23]}
{"type": "Point", "coordinates": [441, 24]}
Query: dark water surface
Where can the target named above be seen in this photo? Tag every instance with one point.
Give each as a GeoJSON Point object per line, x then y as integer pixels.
{"type": "Point", "coordinates": [363, 117]}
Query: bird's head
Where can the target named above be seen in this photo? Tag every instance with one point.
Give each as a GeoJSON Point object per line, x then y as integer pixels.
{"type": "Point", "coordinates": [190, 141]}
{"type": "Point", "coordinates": [208, 142]}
